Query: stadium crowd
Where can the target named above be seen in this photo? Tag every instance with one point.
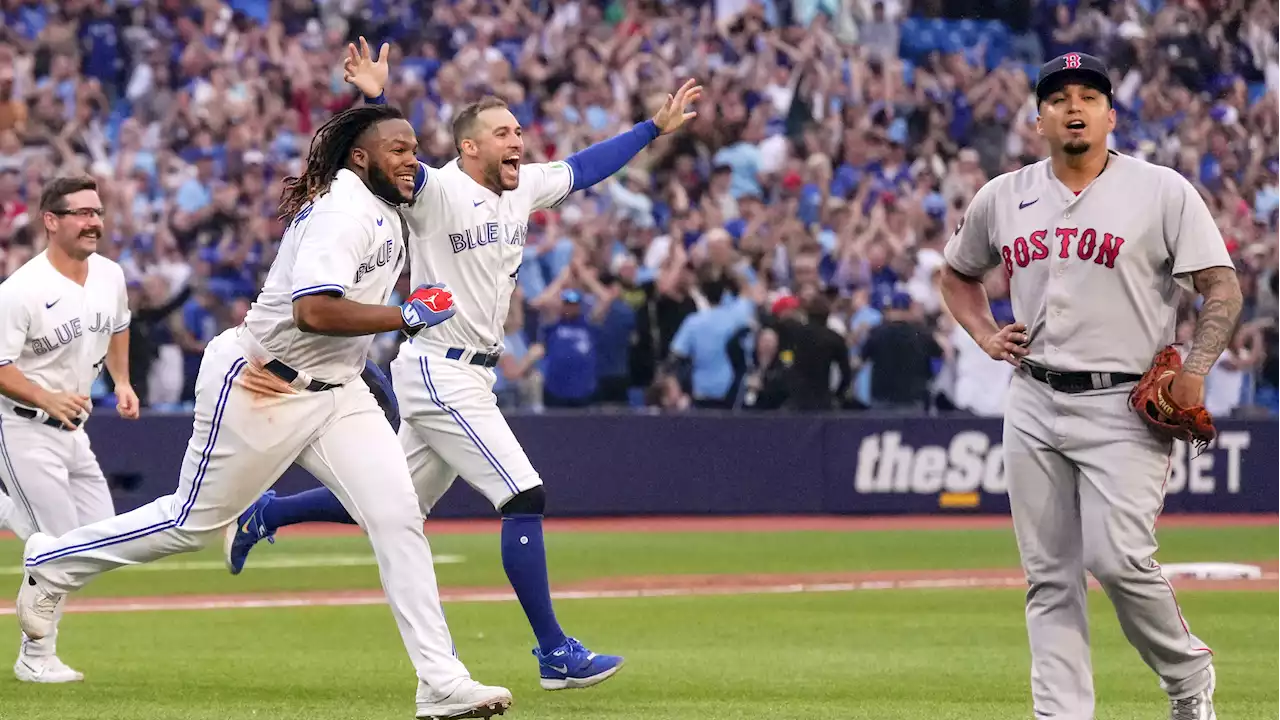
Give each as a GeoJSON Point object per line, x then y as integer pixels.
{"type": "Point", "coordinates": [782, 253]}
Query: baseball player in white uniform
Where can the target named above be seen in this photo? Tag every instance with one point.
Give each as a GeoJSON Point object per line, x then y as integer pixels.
{"type": "Point", "coordinates": [285, 387]}
{"type": "Point", "coordinates": [62, 316]}
{"type": "Point", "coordinates": [468, 223]}
{"type": "Point", "coordinates": [1097, 247]}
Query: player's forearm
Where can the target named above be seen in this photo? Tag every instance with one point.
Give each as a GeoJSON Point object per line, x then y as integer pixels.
{"type": "Point", "coordinates": [15, 386]}
{"type": "Point", "coordinates": [1217, 320]}
{"type": "Point", "coordinates": [967, 300]}
{"type": "Point", "coordinates": [327, 315]}
{"type": "Point", "coordinates": [118, 358]}
{"type": "Point", "coordinates": [597, 162]}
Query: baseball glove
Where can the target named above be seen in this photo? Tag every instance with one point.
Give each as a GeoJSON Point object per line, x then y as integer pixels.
{"type": "Point", "coordinates": [1151, 399]}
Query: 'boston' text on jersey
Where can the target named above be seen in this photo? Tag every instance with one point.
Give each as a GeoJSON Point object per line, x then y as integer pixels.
{"type": "Point", "coordinates": [1089, 244]}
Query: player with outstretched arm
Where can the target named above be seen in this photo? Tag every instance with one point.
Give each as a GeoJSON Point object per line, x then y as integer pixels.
{"type": "Point", "coordinates": [469, 221]}
{"type": "Point", "coordinates": [1098, 248]}
{"type": "Point", "coordinates": [285, 386]}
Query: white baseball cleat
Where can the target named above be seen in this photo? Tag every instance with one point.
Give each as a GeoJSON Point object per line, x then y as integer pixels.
{"type": "Point", "coordinates": [47, 669]}
{"type": "Point", "coordinates": [37, 607]}
{"type": "Point", "coordinates": [469, 699]}
{"type": "Point", "coordinates": [1198, 706]}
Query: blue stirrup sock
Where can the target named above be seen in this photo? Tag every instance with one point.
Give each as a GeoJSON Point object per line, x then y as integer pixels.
{"type": "Point", "coordinates": [524, 557]}
{"type": "Point", "coordinates": [318, 505]}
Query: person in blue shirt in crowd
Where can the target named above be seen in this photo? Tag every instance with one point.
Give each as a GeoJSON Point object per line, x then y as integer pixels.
{"type": "Point", "coordinates": [614, 321]}
{"type": "Point", "coordinates": [569, 368]}
{"type": "Point", "coordinates": [197, 327]}
{"type": "Point", "coordinates": [703, 339]}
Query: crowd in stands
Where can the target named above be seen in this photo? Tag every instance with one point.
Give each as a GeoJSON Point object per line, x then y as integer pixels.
{"type": "Point", "coordinates": [783, 252]}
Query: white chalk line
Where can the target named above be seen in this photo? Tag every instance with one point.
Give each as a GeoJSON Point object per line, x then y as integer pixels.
{"type": "Point", "coordinates": [292, 562]}
{"type": "Point", "coordinates": [371, 597]}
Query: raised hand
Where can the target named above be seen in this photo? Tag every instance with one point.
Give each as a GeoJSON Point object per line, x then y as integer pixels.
{"type": "Point", "coordinates": [673, 113]}
{"type": "Point", "coordinates": [360, 69]}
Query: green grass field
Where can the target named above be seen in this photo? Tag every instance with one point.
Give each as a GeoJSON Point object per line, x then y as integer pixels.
{"type": "Point", "coordinates": [953, 654]}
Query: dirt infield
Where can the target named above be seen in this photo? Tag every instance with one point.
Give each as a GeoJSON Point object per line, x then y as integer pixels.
{"type": "Point", "coordinates": [639, 587]}
{"type": "Point", "coordinates": [770, 523]}
{"type": "Point", "coordinates": [690, 585]}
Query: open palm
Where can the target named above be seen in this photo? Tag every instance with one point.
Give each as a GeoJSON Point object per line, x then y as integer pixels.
{"type": "Point", "coordinates": [360, 68]}
{"type": "Point", "coordinates": [673, 113]}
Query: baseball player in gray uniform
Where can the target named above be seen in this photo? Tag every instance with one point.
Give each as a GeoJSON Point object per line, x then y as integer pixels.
{"type": "Point", "coordinates": [63, 315]}
{"type": "Point", "coordinates": [1098, 247]}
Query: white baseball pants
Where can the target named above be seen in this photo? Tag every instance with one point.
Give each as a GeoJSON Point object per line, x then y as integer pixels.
{"type": "Point", "coordinates": [450, 425]}
{"type": "Point", "coordinates": [54, 485]}
{"type": "Point", "coordinates": [242, 440]}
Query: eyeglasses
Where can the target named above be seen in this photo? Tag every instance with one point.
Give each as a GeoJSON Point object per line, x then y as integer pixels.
{"type": "Point", "coordinates": [86, 212]}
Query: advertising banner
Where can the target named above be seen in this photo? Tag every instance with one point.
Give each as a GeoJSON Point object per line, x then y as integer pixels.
{"type": "Point", "coordinates": [602, 464]}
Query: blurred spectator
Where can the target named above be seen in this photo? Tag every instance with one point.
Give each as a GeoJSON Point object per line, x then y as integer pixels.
{"type": "Point", "coordinates": [1226, 384]}
{"type": "Point", "coordinates": [901, 351]}
{"type": "Point", "coordinates": [570, 365]}
{"type": "Point", "coordinates": [979, 385]}
{"type": "Point", "coordinates": [815, 351]}
{"type": "Point", "coordinates": [703, 344]}
{"type": "Point", "coordinates": [192, 330]}
{"type": "Point", "coordinates": [765, 385]}
{"type": "Point", "coordinates": [518, 381]}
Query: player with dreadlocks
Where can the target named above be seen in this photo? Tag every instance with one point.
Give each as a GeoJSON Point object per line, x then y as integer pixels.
{"type": "Point", "coordinates": [283, 387]}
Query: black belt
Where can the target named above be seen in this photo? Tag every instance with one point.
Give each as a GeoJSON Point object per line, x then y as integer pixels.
{"type": "Point", "coordinates": [482, 359]}
{"type": "Point", "coordinates": [288, 374]}
{"type": "Point", "coordinates": [30, 414]}
{"type": "Point", "coordinates": [1078, 382]}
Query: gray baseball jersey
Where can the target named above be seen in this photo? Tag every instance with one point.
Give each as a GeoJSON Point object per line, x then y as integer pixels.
{"type": "Point", "coordinates": [1093, 276]}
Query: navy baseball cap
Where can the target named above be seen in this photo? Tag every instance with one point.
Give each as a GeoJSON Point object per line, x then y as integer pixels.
{"type": "Point", "coordinates": [1072, 67]}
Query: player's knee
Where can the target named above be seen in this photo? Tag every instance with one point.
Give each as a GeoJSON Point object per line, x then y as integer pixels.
{"type": "Point", "coordinates": [1115, 568]}
{"type": "Point", "coordinates": [530, 502]}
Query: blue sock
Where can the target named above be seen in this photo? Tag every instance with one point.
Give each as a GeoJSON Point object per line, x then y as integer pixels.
{"type": "Point", "coordinates": [318, 505]}
{"type": "Point", "coordinates": [524, 557]}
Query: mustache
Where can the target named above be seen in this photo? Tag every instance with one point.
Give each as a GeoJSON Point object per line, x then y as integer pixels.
{"type": "Point", "coordinates": [92, 232]}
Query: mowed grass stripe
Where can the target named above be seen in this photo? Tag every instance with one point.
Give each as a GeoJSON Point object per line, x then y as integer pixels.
{"type": "Point", "coordinates": [578, 557]}
{"type": "Point", "coordinates": [902, 655]}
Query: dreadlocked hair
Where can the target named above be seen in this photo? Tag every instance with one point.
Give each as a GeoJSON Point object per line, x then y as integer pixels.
{"type": "Point", "coordinates": [329, 151]}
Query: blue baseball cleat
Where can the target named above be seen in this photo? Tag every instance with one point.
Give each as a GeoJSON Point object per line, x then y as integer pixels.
{"type": "Point", "coordinates": [245, 533]}
{"type": "Point", "coordinates": [573, 666]}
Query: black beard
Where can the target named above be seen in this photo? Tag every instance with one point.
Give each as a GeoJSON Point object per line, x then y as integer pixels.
{"type": "Point", "coordinates": [383, 186]}
{"type": "Point", "coordinates": [1076, 147]}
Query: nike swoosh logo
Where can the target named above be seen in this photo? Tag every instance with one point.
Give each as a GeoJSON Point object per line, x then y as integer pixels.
{"type": "Point", "coordinates": [247, 527]}
{"type": "Point", "coordinates": [560, 669]}
{"type": "Point", "coordinates": [477, 203]}
{"type": "Point", "coordinates": [1024, 206]}
{"type": "Point", "coordinates": [48, 306]}
{"type": "Point", "coordinates": [379, 222]}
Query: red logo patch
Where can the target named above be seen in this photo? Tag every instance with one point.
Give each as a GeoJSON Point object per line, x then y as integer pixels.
{"type": "Point", "coordinates": [438, 299]}
{"type": "Point", "coordinates": [1071, 60]}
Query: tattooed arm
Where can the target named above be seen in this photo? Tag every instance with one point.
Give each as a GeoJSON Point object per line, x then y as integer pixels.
{"type": "Point", "coordinates": [1218, 317]}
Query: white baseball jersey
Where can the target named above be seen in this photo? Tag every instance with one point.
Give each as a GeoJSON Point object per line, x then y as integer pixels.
{"type": "Point", "coordinates": [471, 239]}
{"type": "Point", "coordinates": [57, 331]}
{"type": "Point", "coordinates": [349, 242]}
{"type": "Point", "coordinates": [1094, 276]}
